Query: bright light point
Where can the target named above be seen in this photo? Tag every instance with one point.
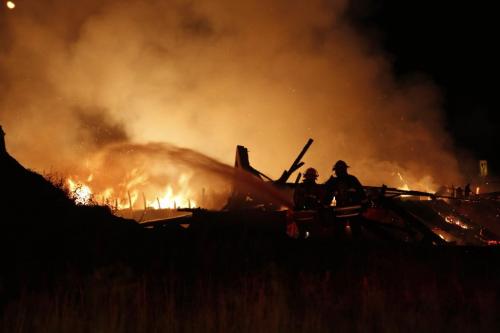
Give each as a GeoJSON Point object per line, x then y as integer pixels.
{"type": "Point", "coordinates": [11, 5]}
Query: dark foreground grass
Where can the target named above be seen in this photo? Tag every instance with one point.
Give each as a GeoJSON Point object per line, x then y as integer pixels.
{"type": "Point", "coordinates": [187, 283]}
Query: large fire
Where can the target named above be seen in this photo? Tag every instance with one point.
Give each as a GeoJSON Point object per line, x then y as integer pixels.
{"type": "Point", "coordinates": [136, 192]}
{"type": "Point", "coordinates": [128, 195]}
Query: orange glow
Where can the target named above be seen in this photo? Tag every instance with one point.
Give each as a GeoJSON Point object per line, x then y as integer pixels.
{"type": "Point", "coordinates": [169, 199]}
{"type": "Point", "coordinates": [447, 237]}
{"type": "Point", "coordinates": [172, 200]}
{"type": "Point", "coordinates": [405, 184]}
{"type": "Point", "coordinates": [81, 193]}
{"type": "Point", "coordinates": [129, 87]}
{"type": "Point", "coordinates": [477, 190]}
{"type": "Point", "coordinates": [453, 220]}
{"type": "Point", "coordinates": [118, 200]}
{"type": "Point", "coordinates": [409, 182]}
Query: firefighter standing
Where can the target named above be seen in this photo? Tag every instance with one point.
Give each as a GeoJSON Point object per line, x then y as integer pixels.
{"type": "Point", "coordinates": [309, 194]}
{"type": "Point", "coordinates": [345, 190]}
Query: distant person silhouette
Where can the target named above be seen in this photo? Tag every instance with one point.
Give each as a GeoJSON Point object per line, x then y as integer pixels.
{"type": "Point", "coordinates": [467, 191]}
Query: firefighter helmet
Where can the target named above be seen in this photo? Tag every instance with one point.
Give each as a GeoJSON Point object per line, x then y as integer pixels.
{"type": "Point", "coordinates": [311, 174]}
{"type": "Point", "coordinates": [340, 165]}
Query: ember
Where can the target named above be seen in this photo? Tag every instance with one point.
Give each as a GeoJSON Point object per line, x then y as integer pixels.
{"type": "Point", "coordinates": [454, 220]}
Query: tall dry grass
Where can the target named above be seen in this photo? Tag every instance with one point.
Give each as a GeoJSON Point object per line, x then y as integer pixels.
{"type": "Point", "coordinates": [298, 288]}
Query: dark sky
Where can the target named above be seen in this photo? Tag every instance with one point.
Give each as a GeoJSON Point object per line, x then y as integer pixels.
{"type": "Point", "coordinates": [453, 43]}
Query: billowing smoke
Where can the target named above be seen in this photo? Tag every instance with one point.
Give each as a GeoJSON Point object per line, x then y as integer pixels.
{"type": "Point", "coordinates": [78, 77]}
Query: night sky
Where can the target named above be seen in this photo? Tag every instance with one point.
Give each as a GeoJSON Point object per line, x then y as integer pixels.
{"type": "Point", "coordinates": [454, 44]}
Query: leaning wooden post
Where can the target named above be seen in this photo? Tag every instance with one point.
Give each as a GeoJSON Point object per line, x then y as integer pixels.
{"type": "Point", "coordinates": [144, 201]}
{"type": "Point", "coordinates": [129, 201]}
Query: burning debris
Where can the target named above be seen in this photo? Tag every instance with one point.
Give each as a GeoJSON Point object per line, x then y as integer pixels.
{"type": "Point", "coordinates": [129, 197]}
{"type": "Point", "coordinates": [389, 214]}
{"type": "Point", "coordinates": [256, 200]}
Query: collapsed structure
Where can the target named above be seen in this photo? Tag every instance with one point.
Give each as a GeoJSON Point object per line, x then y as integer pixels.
{"type": "Point", "coordinates": [260, 204]}
{"type": "Point", "coordinates": [391, 214]}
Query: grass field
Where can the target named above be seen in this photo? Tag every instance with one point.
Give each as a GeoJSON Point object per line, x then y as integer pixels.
{"type": "Point", "coordinates": [266, 285]}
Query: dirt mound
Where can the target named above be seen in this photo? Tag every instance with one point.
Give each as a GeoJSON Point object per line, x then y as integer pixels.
{"type": "Point", "coordinates": [41, 223]}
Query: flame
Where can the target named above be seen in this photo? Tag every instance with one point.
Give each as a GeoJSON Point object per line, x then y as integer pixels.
{"type": "Point", "coordinates": [172, 200]}
{"type": "Point", "coordinates": [424, 184]}
{"type": "Point", "coordinates": [405, 184]}
{"type": "Point", "coordinates": [443, 235]}
{"type": "Point", "coordinates": [477, 190]}
{"type": "Point", "coordinates": [81, 193]}
{"type": "Point", "coordinates": [136, 179]}
{"type": "Point", "coordinates": [129, 195]}
{"type": "Point", "coordinates": [105, 197]}
{"type": "Point", "coordinates": [10, 4]}
{"type": "Point", "coordinates": [456, 221]}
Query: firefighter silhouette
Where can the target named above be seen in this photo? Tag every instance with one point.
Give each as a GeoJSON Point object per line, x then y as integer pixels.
{"type": "Point", "coordinates": [309, 194]}
{"type": "Point", "coordinates": [345, 188]}
{"type": "Point", "coordinates": [467, 191]}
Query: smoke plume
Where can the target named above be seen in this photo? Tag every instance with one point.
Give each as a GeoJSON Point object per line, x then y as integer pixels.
{"type": "Point", "coordinates": [79, 77]}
